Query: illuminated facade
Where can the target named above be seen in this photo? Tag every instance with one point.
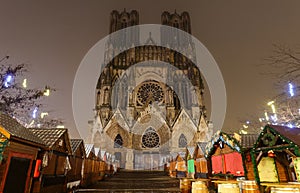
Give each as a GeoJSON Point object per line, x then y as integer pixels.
{"type": "Point", "coordinates": [149, 99]}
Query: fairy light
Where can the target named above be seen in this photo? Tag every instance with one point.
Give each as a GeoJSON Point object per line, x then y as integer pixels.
{"type": "Point", "coordinates": [8, 80]}
{"type": "Point", "coordinates": [34, 112]}
{"type": "Point", "coordinates": [24, 84]}
{"type": "Point", "coordinates": [291, 89]}
{"type": "Point", "coordinates": [43, 114]}
{"type": "Point", "coordinates": [47, 92]}
{"type": "Point", "coordinates": [266, 115]}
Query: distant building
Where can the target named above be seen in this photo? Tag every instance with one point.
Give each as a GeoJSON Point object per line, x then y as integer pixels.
{"type": "Point", "coordinates": [149, 99]}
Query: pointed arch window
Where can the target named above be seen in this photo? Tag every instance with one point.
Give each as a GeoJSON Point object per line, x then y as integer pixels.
{"type": "Point", "coordinates": [150, 139]}
{"type": "Point", "coordinates": [182, 142]}
{"type": "Point", "coordinates": [118, 143]}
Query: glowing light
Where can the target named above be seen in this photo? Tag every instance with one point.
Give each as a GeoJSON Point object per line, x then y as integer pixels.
{"type": "Point", "coordinates": [266, 115]}
{"type": "Point", "coordinates": [8, 80]}
{"type": "Point", "coordinates": [274, 117]}
{"type": "Point", "coordinates": [34, 112]}
{"type": "Point", "coordinates": [247, 122]}
{"type": "Point", "coordinates": [43, 115]}
{"type": "Point", "coordinates": [273, 108]}
{"type": "Point", "coordinates": [47, 92]}
{"type": "Point", "coordinates": [290, 125]}
{"type": "Point", "coordinates": [291, 89]}
{"type": "Point", "coordinates": [270, 103]}
{"type": "Point", "coordinates": [243, 131]}
{"type": "Point", "coordinates": [245, 126]}
{"type": "Point", "coordinates": [24, 84]}
{"type": "Point", "coordinates": [60, 126]}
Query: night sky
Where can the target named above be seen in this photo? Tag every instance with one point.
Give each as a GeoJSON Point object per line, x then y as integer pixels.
{"type": "Point", "coordinates": [52, 37]}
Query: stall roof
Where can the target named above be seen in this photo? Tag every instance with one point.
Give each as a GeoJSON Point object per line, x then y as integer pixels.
{"type": "Point", "coordinates": [14, 128]}
{"type": "Point", "coordinates": [88, 149]}
{"type": "Point", "coordinates": [292, 134]}
{"type": "Point", "coordinates": [201, 146]}
{"type": "Point", "coordinates": [248, 140]}
{"type": "Point", "coordinates": [51, 136]}
{"type": "Point", "coordinates": [75, 144]}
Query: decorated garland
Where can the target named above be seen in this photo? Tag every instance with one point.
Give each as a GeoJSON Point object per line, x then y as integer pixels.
{"type": "Point", "coordinates": [269, 139]}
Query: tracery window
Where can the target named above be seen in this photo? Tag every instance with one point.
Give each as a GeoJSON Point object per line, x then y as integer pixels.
{"type": "Point", "coordinates": [150, 90]}
{"type": "Point", "coordinates": [150, 139]}
{"type": "Point", "coordinates": [118, 143]}
{"type": "Point", "coordinates": [182, 142]}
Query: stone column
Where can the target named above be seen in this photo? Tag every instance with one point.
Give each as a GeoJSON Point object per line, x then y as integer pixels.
{"type": "Point", "coordinates": [129, 159]}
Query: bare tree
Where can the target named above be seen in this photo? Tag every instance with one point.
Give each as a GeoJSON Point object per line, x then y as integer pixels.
{"type": "Point", "coordinates": [19, 101]}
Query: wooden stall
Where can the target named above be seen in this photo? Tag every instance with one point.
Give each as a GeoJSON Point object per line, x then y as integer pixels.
{"type": "Point", "coordinates": [181, 170]}
{"type": "Point", "coordinates": [200, 161]}
{"type": "Point", "coordinates": [190, 161]}
{"type": "Point", "coordinates": [225, 156]}
{"type": "Point", "coordinates": [19, 149]}
{"type": "Point", "coordinates": [55, 160]}
{"type": "Point", "coordinates": [74, 176]}
{"type": "Point", "coordinates": [100, 169]}
{"type": "Point", "coordinates": [275, 154]}
{"type": "Point", "coordinates": [89, 175]}
{"type": "Point", "coordinates": [172, 167]}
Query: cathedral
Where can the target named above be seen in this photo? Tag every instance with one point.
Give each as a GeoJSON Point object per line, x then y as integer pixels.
{"type": "Point", "coordinates": [148, 99]}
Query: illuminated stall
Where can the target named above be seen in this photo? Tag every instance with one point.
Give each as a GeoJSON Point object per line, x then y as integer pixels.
{"type": "Point", "coordinates": [55, 162]}
{"type": "Point", "coordinates": [276, 154]}
{"type": "Point", "coordinates": [74, 176]}
{"type": "Point", "coordinates": [225, 157]}
{"type": "Point", "coordinates": [200, 161]}
{"type": "Point", "coordinates": [19, 163]}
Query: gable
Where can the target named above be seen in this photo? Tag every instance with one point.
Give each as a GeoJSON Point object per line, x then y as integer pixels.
{"type": "Point", "coordinates": [274, 135]}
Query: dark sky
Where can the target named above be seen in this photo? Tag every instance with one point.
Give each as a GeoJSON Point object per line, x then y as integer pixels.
{"type": "Point", "coordinates": [53, 37]}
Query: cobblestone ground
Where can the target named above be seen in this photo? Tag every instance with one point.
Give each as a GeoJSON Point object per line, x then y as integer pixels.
{"type": "Point", "coordinates": [136, 182]}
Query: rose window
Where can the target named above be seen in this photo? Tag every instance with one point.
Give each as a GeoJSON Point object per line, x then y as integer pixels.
{"type": "Point", "coordinates": [150, 139]}
{"type": "Point", "coordinates": [150, 91]}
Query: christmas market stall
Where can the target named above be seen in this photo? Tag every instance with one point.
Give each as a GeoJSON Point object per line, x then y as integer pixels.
{"type": "Point", "coordinates": [276, 155]}
{"type": "Point", "coordinates": [172, 167]}
{"type": "Point", "coordinates": [89, 176]}
{"type": "Point", "coordinates": [190, 150]}
{"type": "Point", "coordinates": [55, 160]}
{"type": "Point", "coordinates": [74, 176]}
{"type": "Point", "coordinates": [224, 155]}
{"type": "Point", "coordinates": [19, 149]}
{"type": "Point", "coordinates": [100, 168]}
{"type": "Point", "coordinates": [200, 160]}
{"type": "Point", "coordinates": [103, 158]}
{"type": "Point", "coordinates": [180, 167]}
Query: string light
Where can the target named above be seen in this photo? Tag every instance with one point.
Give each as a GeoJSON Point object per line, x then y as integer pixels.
{"type": "Point", "coordinates": [24, 84]}
{"type": "Point", "coordinates": [43, 114]}
{"type": "Point", "coordinates": [8, 80]}
{"type": "Point", "coordinates": [291, 89]}
{"type": "Point", "coordinates": [266, 115]}
{"type": "Point", "coordinates": [47, 92]}
{"type": "Point", "coordinates": [34, 112]}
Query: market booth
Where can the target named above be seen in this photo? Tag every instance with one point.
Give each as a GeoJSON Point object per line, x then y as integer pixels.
{"type": "Point", "coordinates": [19, 150]}
{"type": "Point", "coordinates": [172, 167]}
{"type": "Point", "coordinates": [92, 169]}
{"type": "Point", "coordinates": [276, 157]}
{"type": "Point", "coordinates": [224, 155]}
{"type": "Point", "coordinates": [229, 159]}
{"type": "Point", "coordinates": [54, 160]}
{"type": "Point", "coordinates": [200, 161]}
{"type": "Point", "coordinates": [74, 176]}
{"type": "Point", "coordinates": [181, 167]}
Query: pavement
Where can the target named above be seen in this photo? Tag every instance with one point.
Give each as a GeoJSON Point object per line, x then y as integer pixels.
{"type": "Point", "coordinates": [127, 181]}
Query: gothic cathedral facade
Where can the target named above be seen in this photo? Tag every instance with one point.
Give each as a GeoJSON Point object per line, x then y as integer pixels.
{"type": "Point", "coordinates": [149, 99]}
